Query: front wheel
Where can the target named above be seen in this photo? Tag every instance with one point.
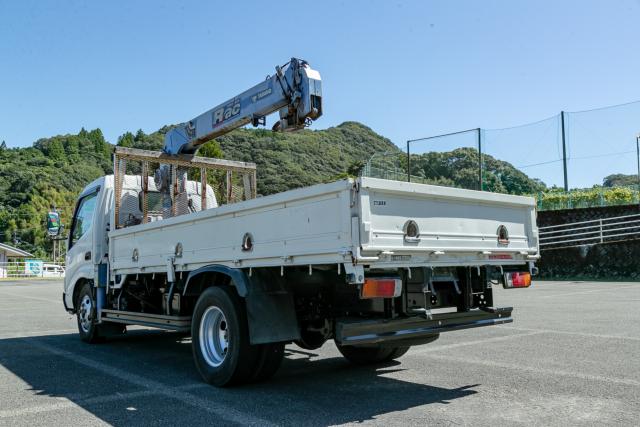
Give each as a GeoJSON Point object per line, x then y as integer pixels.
{"type": "Point", "coordinates": [86, 314]}
{"type": "Point", "coordinates": [220, 338]}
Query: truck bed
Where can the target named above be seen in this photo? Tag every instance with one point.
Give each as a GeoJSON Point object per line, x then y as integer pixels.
{"type": "Point", "coordinates": [348, 221]}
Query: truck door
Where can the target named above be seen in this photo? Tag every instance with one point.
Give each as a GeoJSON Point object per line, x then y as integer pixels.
{"type": "Point", "coordinates": [79, 259]}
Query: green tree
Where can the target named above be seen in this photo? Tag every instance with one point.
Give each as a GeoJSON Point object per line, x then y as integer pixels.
{"type": "Point", "coordinates": [140, 136]}
{"type": "Point", "coordinates": [211, 149]}
{"type": "Point", "coordinates": [620, 180]}
{"type": "Point", "coordinates": [99, 143]}
{"type": "Point", "coordinates": [126, 140]}
{"type": "Point", "coordinates": [56, 150]}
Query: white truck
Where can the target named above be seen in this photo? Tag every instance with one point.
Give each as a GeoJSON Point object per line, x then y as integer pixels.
{"type": "Point", "coordinates": [180, 242]}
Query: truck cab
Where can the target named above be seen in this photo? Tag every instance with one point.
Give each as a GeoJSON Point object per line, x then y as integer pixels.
{"type": "Point", "coordinates": [88, 241]}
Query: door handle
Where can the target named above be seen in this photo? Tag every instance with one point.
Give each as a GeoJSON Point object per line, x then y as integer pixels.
{"type": "Point", "coordinates": [87, 256]}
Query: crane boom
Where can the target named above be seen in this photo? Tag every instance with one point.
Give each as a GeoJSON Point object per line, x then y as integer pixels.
{"type": "Point", "coordinates": [295, 90]}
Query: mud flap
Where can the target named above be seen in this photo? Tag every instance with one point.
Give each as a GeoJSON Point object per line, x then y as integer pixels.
{"type": "Point", "coordinates": [270, 309]}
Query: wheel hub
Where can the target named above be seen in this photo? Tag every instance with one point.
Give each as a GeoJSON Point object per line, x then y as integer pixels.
{"type": "Point", "coordinates": [214, 336]}
{"type": "Point", "coordinates": [85, 313]}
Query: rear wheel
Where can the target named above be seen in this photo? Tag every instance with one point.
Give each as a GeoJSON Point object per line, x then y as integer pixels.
{"type": "Point", "coordinates": [269, 361]}
{"type": "Point", "coordinates": [368, 355]}
{"type": "Point", "coordinates": [220, 339]}
{"type": "Point", "coordinates": [398, 352]}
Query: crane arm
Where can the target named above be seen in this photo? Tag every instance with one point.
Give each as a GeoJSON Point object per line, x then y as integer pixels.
{"type": "Point", "coordinates": [295, 90]}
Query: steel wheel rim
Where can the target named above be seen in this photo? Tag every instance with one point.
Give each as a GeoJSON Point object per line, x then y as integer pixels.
{"type": "Point", "coordinates": [214, 336]}
{"type": "Point", "coordinates": [86, 308]}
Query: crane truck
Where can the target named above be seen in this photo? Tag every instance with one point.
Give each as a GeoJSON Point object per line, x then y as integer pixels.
{"type": "Point", "coordinates": [180, 242]}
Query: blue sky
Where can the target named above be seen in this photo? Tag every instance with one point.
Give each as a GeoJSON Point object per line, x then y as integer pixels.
{"type": "Point", "coordinates": [405, 68]}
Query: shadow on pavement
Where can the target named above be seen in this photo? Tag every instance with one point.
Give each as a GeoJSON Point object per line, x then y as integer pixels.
{"type": "Point", "coordinates": [307, 390]}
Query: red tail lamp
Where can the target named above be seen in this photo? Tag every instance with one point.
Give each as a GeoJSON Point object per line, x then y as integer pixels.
{"type": "Point", "coordinates": [517, 280]}
{"type": "Point", "coordinates": [381, 287]}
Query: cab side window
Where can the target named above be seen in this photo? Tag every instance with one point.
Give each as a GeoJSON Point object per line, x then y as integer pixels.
{"type": "Point", "coordinates": [83, 217]}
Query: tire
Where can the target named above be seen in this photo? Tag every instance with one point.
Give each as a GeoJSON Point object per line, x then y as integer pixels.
{"type": "Point", "coordinates": [310, 340]}
{"type": "Point", "coordinates": [220, 338]}
{"type": "Point", "coordinates": [86, 310]}
{"type": "Point", "coordinates": [365, 355]}
{"type": "Point", "coordinates": [86, 315]}
{"type": "Point", "coordinates": [111, 329]}
{"type": "Point", "coordinates": [398, 352]}
{"type": "Point", "coordinates": [269, 361]}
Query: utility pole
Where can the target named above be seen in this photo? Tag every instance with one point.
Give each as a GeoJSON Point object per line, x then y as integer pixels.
{"type": "Point", "coordinates": [564, 152]}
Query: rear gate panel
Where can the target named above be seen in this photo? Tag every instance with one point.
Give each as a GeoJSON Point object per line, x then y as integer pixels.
{"type": "Point", "coordinates": [449, 219]}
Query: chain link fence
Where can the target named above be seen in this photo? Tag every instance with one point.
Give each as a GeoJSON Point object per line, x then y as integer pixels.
{"type": "Point", "coordinates": [570, 160]}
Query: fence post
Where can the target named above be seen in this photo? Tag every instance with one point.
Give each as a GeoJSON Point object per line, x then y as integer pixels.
{"type": "Point", "coordinates": [480, 159]}
{"type": "Point", "coordinates": [408, 162]}
{"type": "Point", "coordinates": [601, 199]}
{"type": "Point", "coordinates": [601, 236]}
{"type": "Point", "coordinates": [539, 200]}
{"type": "Point", "coordinates": [564, 153]}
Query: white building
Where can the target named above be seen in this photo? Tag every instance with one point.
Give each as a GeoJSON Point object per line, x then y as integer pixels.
{"type": "Point", "coordinates": [8, 254]}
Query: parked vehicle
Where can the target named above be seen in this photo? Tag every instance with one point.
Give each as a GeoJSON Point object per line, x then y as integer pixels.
{"type": "Point", "coordinates": [52, 270]}
{"type": "Point", "coordinates": [378, 266]}
{"type": "Point", "coordinates": [180, 242]}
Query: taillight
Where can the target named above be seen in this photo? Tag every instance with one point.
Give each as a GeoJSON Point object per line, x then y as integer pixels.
{"type": "Point", "coordinates": [381, 287]}
{"type": "Point", "coordinates": [517, 280]}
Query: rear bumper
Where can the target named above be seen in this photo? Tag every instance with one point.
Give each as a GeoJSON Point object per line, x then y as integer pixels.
{"type": "Point", "coordinates": [413, 330]}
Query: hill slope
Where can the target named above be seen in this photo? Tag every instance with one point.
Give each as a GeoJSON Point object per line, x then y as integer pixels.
{"type": "Point", "coordinates": [55, 169]}
{"type": "Point", "coordinates": [290, 160]}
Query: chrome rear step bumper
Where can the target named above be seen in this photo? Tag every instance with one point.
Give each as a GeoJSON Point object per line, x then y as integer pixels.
{"type": "Point", "coordinates": [352, 331]}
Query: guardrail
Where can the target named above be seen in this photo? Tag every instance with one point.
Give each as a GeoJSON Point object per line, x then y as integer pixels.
{"type": "Point", "coordinates": [31, 269]}
{"type": "Point", "coordinates": [597, 231]}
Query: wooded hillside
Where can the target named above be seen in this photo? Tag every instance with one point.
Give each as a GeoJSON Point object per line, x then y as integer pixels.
{"type": "Point", "coordinates": [55, 169]}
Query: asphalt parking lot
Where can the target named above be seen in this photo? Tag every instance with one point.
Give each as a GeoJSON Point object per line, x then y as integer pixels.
{"type": "Point", "coordinates": [572, 356]}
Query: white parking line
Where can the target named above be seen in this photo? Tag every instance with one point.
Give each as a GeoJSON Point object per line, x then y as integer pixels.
{"type": "Point", "coordinates": [221, 410]}
{"type": "Point", "coordinates": [544, 371]}
{"type": "Point", "coordinates": [65, 403]}
{"type": "Point", "coordinates": [579, 334]}
{"type": "Point", "coordinates": [584, 292]}
{"type": "Point", "coordinates": [429, 349]}
{"type": "Point", "coordinates": [19, 297]}
{"type": "Point", "coordinates": [577, 283]}
{"type": "Point", "coordinates": [36, 333]}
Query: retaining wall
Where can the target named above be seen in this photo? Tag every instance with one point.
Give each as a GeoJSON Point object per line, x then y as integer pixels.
{"type": "Point", "coordinates": [608, 261]}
